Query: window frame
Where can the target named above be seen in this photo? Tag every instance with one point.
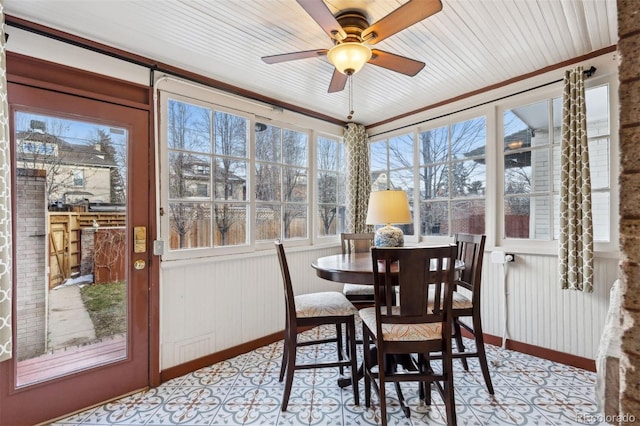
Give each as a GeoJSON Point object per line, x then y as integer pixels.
{"type": "Point", "coordinates": [452, 198]}
{"type": "Point", "coordinates": [282, 202]}
{"type": "Point", "coordinates": [521, 94]}
{"type": "Point", "coordinates": [548, 93]}
{"type": "Point", "coordinates": [414, 237]}
{"type": "Point", "coordinates": [317, 237]}
{"type": "Point", "coordinates": [173, 88]}
{"type": "Point", "coordinates": [163, 194]}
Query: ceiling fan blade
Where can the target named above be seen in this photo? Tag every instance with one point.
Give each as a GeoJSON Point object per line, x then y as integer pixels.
{"type": "Point", "coordinates": [395, 63]}
{"type": "Point", "coordinates": [283, 57]}
{"type": "Point", "coordinates": [338, 81]}
{"type": "Point", "coordinates": [320, 13]}
{"type": "Point", "coordinates": [403, 17]}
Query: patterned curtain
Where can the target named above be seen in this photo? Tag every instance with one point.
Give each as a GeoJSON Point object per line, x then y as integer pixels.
{"type": "Point", "coordinates": [358, 181]}
{"type": "Point", "coordinates": [5, 205]}
{"type": "Point", "coordinates": [576, 227]}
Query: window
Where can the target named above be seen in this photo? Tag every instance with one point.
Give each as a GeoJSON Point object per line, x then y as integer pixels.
{"type": "Point", "coordinates": [452, 176]}
{"type": "Point", "coordinates": [232, 181]}
{"type": "Point", "coordinates": [392, 167]}
{"type": "Point", "coordinates": [77, 177]}
{"type": "Point", "coordinates": [206, 209]}
{"type": "Point", "coordinates": [531, 151]}
{"type": "Point", "coordinates": [281, 175]}
{"type": "Point", "coordinates": [37, 148]}
{"type": "Point", "coordinates": [330, 180]}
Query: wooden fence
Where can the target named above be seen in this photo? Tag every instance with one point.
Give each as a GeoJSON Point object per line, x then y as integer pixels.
{"type": "Point", "coordinates": [65, 247]}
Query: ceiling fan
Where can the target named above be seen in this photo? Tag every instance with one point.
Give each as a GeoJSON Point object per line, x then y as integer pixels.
{"type": "Point", "coordinates": [352, 35]}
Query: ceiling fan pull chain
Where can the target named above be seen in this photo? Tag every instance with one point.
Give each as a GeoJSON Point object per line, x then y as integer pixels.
{"type": "Point", "coordinates": [350, 116]}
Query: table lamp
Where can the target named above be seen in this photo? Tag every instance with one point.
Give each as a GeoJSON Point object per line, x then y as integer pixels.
{"type": "Point", "coordinates": [387, 207]}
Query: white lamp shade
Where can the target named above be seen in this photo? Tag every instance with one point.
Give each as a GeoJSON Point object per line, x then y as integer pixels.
{"type": "Point", "coordinates": [349, 56]}
{"type": "Point", "coordinates": [386, 207]}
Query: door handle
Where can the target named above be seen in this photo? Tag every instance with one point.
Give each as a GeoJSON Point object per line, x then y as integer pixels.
{"type": "Point", "coordinates": [139, 264]}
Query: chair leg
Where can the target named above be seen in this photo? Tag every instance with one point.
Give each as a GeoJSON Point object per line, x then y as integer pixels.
{"type": "Point", "coordinates": [285, 355]}
{"type": "Point", "coordinates": [425, 387]}
{"type": "Point", "coordinates": [449, 394]}
{"type": "Point", "coordinates": [482, 355]}
{"type": "Point", "coordinates": [339, 343]}
{"type": "Point", "coordinates": [403, 405]}
{"type": "Point", "coordinates": [381, 389]}
{"type": "Point", "coordinates": [291, 366]}
{"type": "Point", "coordinates": [351, 339]}
{"type": "Point", "coordinates": [458, 336]}
{"type": "Point", "coordinates": [367, 367]}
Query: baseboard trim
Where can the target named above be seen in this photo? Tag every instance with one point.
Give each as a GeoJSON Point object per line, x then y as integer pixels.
{"type": "Point", "coordinates": [540, 352]}
{"type": "Point", "coordinates": [514, 345]}
{"type": "Point", "coordinates": [193, 365]}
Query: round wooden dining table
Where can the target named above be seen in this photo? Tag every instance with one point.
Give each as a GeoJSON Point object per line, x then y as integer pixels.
{"type": "Point", "coordinates": [354, 268]}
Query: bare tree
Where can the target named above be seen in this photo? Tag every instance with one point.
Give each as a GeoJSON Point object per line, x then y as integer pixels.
{"type": "Point", "coordinates": [41, 145]}
{"type": "Point", "coordinates": [117, 155]}
{"type": "Point", "coordinates": [268, 144]}
{"type": "Point", "coordinates": [286, 185]}
{"type": "Point", "coordinates": [517, 166]}
{"type": "Point", "coordinates": [327, 184]}
{"type": "Point", "coordinates": [294, 180]}
{"type": "Point", "coordinates": [447, 172]}
{"type": "Point", "coordinates": [181, 137]}
{"type": "Point", "coordinates": [230, 172]}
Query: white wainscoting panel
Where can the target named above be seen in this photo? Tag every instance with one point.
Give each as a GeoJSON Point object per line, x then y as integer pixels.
{"type": "Point", "coordinates": [214, 304]}
{"type": "Point", "coordinates": [539, 312]}
{"type": "Point", "coordinates": [211, 305]}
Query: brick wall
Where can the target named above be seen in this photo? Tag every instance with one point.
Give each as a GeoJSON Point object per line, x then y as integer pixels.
{"type": "Point", "coordinates": [31, 278]}
{"type": "Point", "coordinates": [629, 74]}
{"type": "Point", "coordinates": [86, 243]}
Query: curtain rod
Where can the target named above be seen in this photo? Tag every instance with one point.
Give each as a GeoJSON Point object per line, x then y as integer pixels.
{"type": "Point", "coordinates": [587, 73]}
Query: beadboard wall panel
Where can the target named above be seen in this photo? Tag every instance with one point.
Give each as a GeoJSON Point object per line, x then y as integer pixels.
{"type": "Point", "coordinates": [539, 312]}
{"type": "Point", "coordinates": [216, 304]}
{"type": "Point", "coordinates": [213, 305]}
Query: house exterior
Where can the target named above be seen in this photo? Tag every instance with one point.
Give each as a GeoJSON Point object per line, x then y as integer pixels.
{"type": "Point", "coordinates": [76, 174]}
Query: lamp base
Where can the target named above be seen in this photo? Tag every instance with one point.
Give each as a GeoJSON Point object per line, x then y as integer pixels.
{"type": "Point", "coordinates": [389, 236]}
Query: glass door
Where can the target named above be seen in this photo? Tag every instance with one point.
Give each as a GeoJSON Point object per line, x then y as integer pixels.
{"type": "Point", "coordinates": [80, 195]}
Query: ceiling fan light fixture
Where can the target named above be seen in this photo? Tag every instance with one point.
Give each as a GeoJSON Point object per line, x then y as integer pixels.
{"type": "Point", "coordinates": [349, 57]}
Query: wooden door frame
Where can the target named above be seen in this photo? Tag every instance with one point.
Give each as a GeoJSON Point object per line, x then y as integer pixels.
{"type": "Point", "coordinates": [41, 74]}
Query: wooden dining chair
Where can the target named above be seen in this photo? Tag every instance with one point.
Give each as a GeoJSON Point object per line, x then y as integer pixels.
{"type": "Point", "coordinates": [361, 295]}
{"type": "Point", "coordinates": [471, 252]}
{"type": "Point", "coordinates": [312, 310]}
{"type": "Point", "coordinates": [466, 302]}
{"type": "Point", "coordinates": [409, 326]}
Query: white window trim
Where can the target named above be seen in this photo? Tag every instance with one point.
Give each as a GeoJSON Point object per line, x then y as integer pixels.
{"type": "Point", "coordinates": [494, 208]}
{"type": "Point", "coordinates": [171, 87]}
{"type": "Point", "coordinates": [550, 247]}
{"type": "Point", "coordinates": [316, 237]}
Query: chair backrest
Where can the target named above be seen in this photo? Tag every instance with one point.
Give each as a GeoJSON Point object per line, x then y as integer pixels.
{"type": "Point", "coordinates": [416, 271]}
{"type": "Point", "coordinates": [356, 242]}
{"type": "Point", "coordinates": [471, 252]}
{"type": "Point", "coordinates": [286, 280]}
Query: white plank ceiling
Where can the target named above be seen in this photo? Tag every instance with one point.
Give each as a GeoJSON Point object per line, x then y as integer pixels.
{"type": "Point", "coordinates": [469, 45]}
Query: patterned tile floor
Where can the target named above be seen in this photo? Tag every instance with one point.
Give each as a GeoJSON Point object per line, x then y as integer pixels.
{"type": "Point", "coordinates": [245, 390]}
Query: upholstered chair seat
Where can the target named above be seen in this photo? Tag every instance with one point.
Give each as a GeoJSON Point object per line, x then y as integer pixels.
{"type": "Point", "coordinates": [357, 290]}
{"type": "Point", "coordinates": [323, 304]}
{"type": "Point", "coordinates": [401, 332]}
